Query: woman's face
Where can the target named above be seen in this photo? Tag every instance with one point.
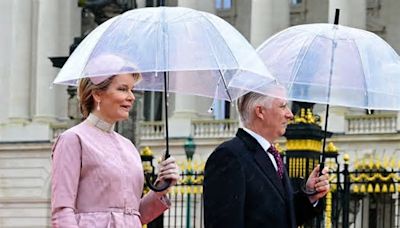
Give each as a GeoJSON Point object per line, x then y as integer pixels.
{"type": "Point", "coordinates": [117, 100]}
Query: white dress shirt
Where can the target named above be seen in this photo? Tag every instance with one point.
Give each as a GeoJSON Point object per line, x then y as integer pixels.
{"type": "Point", "coordinates": [264, 144]}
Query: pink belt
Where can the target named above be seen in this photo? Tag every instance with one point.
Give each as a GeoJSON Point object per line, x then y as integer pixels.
{"type": "Point", "coordinates": [126, 211]}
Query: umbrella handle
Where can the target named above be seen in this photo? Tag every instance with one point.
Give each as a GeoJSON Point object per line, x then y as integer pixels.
{"type": "Point", "coordinates": [159, 186]}
{"type": "Point", "coordinates": [321, 167]}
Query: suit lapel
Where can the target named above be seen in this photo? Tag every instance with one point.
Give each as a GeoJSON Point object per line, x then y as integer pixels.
{"type": "Point", "coordinates": [262, 160]}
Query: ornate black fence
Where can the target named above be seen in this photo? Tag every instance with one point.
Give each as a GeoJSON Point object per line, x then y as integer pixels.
{"type": "Point", "coordinates": [367, 195]}
{"type": "Point", "coordinates": [363, 196]}
{"type": "Point", "coordinates": [186, 197]}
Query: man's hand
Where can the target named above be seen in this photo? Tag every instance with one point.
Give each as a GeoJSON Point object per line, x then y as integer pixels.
{"type": "Point", "coordinates": [317, 183]}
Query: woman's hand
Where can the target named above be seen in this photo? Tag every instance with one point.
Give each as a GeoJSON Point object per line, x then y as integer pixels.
{"type": "Point", "coordinates": [168, 170]}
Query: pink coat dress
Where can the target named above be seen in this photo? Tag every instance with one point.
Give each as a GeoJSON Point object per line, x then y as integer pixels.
{"type": "Point", "coordinates": [97, 181]}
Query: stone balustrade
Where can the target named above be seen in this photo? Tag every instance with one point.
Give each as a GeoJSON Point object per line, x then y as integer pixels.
{"type": "Point", "coordinates": [355, 124]}
{"type": "Point", "coordinates": [371, 124]}
{"type": "Point", "coordinates": [214, 128]}
{"type": "Point", "coordinates": [200, 129]}
{"type": "Point", "coordinates": [152, 130]}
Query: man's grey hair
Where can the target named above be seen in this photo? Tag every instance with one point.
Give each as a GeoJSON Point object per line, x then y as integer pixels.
{"type": "Point", "coordinates": [247, 103]}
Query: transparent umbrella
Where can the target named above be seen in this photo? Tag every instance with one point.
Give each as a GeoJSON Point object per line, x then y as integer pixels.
{"type": "Point", "coordinates": [203, 54]}
{"type": "Point", "coordinates": [175, 49]}
{"type": "Point", "coordinates": [334, 65]}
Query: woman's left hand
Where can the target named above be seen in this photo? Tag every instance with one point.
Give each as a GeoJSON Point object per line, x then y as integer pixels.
{"type": "Point", "coordinates": [168, 170]}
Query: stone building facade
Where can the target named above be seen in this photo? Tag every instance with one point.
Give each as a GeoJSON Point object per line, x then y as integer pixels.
{"type": "Point", "coordinates": [33, 111]}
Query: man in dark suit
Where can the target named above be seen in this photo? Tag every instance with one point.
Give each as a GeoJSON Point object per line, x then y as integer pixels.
{"type": "Point", "coordinates": [245, 184]}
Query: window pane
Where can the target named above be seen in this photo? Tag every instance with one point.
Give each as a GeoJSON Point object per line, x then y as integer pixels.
{"type": "Point", "coordinates": [218, 4]}
{"type": "Point", "coordinates": [227, 4]}
{"type": "Point", "coordinates": [219, 110]}
{"type": "Point", "coordinates": [296, 2]}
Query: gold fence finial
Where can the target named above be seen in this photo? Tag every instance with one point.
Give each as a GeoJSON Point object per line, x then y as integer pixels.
{"type": "Point", "coordinates": [371, 162]}
{"type": "Point", "coordinates": [146, 151]}
{"type": "Point", "coordinates": [331, 148]}
{"type": "Point", "coordinates": [346, 158]}
{"type": "Point", "coordinates": [310, 116]}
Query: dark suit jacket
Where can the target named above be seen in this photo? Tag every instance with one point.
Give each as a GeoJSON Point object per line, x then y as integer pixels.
{"type": "Point", "coordinates": [242, 189]}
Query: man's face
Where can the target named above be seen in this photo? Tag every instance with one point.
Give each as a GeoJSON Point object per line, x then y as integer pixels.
{"type": "Point", "coordinates": [275, 119]}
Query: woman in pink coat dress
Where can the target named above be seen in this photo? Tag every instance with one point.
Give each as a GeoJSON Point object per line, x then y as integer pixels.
{"type": "Point", "coordinates": [97, 174]}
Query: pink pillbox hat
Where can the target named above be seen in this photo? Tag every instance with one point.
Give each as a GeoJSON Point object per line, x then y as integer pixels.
{"type": "Point", "coordinates": [104, 66]}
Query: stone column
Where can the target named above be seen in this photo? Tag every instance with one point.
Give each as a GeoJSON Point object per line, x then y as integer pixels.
{"type": "Point", "coordinates": [352, 13]}
{"type": "Point", "coordinates": [197, 105]}
{"type": "Point", "coordinates": [20, 73]}
{"type": "Point", "coordinates": [47, 45]}
{"type": "Point", "coordinates": [141, 3]}
{"type": "Point", "coordinates": [267, 18]}
{"type": "Point", "coordinates": [5, 47]}
{"type": "Point", "coordinates": [185, 105]}
{"type": "Point", "coordinates": [69, 19]}
{"type": "Point", "coordinates": [184, 112]}
{"type": "Point", "coordinates": [388, 22]}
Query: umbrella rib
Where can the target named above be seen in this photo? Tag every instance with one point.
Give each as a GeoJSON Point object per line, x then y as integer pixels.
{"type": "Point", "coordinates": [334, 43]}
{"type": "Point", "coordinates": [213, 26]}
{"type": "Point", "coordinates": [295, 73]}
{"type": "Point", "coordinates": [213, 50]}
{"type": "Point", "coordinates": [226, 87]}
{"type": "Point", "coordinates": [363, 73]}
{"type": "Point", "coordinates": [176, 19]}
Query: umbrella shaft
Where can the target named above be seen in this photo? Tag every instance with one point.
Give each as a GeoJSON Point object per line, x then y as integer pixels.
{"type": "Point", "coordinates": [322, 164]}
{"type": "Point", "coordinates": [166, 116]}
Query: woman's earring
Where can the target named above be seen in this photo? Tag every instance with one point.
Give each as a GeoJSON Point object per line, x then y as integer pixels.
{"type": "Point", "coordinates": [98, 106]}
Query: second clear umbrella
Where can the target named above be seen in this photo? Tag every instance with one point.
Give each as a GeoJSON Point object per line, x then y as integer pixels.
{"type": "Point", "coordinates": [334, 65]}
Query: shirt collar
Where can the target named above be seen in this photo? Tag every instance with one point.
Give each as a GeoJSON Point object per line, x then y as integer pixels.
{"type": "Point", "coordinates": [263, 142]}
{"type": "Point", "coordinates": [99, 123]}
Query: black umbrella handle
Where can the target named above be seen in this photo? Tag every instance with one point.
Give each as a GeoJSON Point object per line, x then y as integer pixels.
{"type": "Point", "coordinates": [159, 186]}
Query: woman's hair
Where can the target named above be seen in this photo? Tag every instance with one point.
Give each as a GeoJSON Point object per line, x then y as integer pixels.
{"type": "Point", "coordinates": [86, 87]}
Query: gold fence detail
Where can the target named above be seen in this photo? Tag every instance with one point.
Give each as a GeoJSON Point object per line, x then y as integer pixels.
{"type": "Point", "coordinates": [375, 175]}
{"type": "Point", "coordinates": [192, 178]}
{"type": "Point", "coordinates": [304, 144]}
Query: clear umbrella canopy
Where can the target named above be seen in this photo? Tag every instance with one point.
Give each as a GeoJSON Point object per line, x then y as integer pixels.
{"type": "Point", "coordinates": [175, 49]}
{"type": "Point", "coordinates": [336, 65]}
{"type": "Point", "coordinates": [203, 54]}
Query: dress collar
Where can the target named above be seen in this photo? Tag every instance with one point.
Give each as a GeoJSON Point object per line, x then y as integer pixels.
{"type": "Point", "coordinates": [99, 123]}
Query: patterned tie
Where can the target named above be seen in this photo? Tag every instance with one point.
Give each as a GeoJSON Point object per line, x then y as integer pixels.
{"type": "Point", "coordinates": [278, 160]}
